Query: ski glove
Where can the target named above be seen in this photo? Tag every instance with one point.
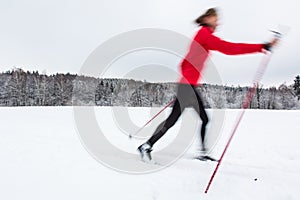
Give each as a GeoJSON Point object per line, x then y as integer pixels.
{"type": "Point", "coordinates": [267, 46]}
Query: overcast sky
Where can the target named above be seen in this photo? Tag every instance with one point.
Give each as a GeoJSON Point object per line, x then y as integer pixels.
{"type": "Point", "coordinates": [58, 35]}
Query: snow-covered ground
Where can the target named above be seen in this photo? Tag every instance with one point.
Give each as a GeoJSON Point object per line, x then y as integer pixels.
{"type": "Point", "coordinates": [43, 157]}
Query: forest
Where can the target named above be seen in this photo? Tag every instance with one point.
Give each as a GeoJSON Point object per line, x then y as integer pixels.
{"type": "Point", "coordinates": [24, 88]}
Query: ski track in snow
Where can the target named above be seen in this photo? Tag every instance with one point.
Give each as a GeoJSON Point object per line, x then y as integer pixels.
{"type": "Point", "coordinates": [42, 158]}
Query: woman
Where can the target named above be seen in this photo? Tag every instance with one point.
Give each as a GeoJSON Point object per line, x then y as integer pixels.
{"type": "Point", "coordinates": [191, 69]}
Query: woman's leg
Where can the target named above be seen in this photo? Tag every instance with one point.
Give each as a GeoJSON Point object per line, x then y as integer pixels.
{"type": "Point", "coordinates": [168, 123]}
{"type": "Point", "coordinates": [199, 107]}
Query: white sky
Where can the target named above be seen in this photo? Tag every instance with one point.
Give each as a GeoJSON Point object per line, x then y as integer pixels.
{"type": "Point", "coordinates": [58, 35]}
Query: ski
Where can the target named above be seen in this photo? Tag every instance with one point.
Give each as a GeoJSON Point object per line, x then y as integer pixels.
{"type": "Point", "coordinates": [151, 162]}
{"type": "Point", "coordinates": [206, 158]}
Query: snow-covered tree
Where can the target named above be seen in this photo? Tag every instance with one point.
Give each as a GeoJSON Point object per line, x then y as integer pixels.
{"type": "Point", "coordinates": [296, 86]}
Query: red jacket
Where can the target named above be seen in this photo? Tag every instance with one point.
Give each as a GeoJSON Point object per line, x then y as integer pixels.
{"type": "Point", "coordinates": [204, 41]}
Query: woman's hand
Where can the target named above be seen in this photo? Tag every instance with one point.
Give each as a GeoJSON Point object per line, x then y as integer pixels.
{"type": "Point", "coordinates": [268, 46]}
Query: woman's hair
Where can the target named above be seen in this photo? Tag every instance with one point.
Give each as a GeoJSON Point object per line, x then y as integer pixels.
{"type": "Point", "coordinates": [210, 12]}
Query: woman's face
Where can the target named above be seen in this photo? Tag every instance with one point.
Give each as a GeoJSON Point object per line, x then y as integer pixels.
{"type": "Point", "coordinates": [212, 21]}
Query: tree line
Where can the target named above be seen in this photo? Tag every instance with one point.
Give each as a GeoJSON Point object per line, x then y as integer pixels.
{"type": "Point", "coordinates": [20, 88]}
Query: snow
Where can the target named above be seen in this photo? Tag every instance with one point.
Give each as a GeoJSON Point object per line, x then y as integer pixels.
{"type": "Point", "coordinates": [43, 157]}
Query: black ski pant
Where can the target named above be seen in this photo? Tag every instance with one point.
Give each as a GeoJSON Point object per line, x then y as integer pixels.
{"type": "Point", "coordinates": [187, 96]}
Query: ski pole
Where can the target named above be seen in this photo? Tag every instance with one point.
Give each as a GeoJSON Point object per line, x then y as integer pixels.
{"type": "Point", "coordinates": [169, 104]}
{"type": "Point", "coordinates": [259, 73]}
